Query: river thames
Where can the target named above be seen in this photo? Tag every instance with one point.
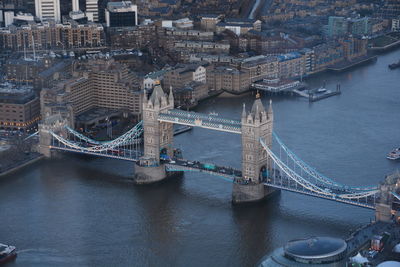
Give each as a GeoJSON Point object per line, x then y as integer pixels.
{"type": "Point", "coordinates": [83, 211]}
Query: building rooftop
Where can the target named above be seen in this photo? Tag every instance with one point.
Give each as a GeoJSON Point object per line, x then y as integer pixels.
{"type": "Point", "coordinates": [315, 247]}
{"type": "Point", "coordinates": [255, 60]}
{"type": "Point", "coordinates": [16, 94]}
{"type": "Point", "coordinates": [289, 56]}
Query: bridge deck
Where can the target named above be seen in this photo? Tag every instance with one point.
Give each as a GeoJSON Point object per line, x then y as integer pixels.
{"type": "Point", "coordinates": [369, 203]}
{"type": "Point", "coordinates": [185, 165]}
{"type": "Point", "coordinates": [123, 154]}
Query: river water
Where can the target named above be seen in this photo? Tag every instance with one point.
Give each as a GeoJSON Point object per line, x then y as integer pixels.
{"type": "Point", "coordinates": [81, 211]}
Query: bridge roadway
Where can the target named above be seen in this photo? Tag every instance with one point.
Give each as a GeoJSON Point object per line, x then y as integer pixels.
{"type": "Point", "coordinates": [186, 165]}
{"type": "Point", "coordinates": [285, 183]}
{"type": "Point", "coordinates": [120, 153]}
{"type": "Point", "coordinates": [279, 182]}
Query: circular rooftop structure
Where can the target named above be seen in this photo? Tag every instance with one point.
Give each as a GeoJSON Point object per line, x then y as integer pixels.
{"type": "Point", "coordinates": [316, 250]}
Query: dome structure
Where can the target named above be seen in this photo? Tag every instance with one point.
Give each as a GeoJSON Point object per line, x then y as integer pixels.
{"type": "Point", "coordinates": [314, 251]}
{"type": "Point", "coordinates": [389, 264]}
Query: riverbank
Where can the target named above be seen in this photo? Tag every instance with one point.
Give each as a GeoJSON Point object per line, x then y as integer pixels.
{"type": "Point", "coordinates": [31, 158]}
{"type": "Point", "coordinates": [346, 65]}
{"type": "Point", "coordinates": [360, 241]}
{"type": "Point", "coordinates": [385, 42]}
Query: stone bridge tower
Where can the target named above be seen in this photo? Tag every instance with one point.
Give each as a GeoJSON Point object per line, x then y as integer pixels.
{"type": "Point", "coordinates": [55, 123]}
{"type": "Point", "coordinates": [384, 208]}
{"type": "Point", "coordinates": [256, 124]}
{"type": "Point", "coordinates": [158, 136]}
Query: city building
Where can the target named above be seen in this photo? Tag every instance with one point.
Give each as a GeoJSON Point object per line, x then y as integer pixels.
{"type": "Point", "coordinates": [183, 23]}
{"type": "Point", "coordinates": [360, 26]}
{"type": "Point", "coordinates": [396, 24]}
{"type": "Point", "coordinates": [48, 35]}
{"type": "Point", "coordinates": [133, 37]}
{"type": "Point", "coordinates": [75, 5]}
{"type": "Point", "coordinates": [92, 10]}
{"type": "Point", "coordinates": [314, 251]}
{"type": "Point", "coordinates": [337, 26]}
{"type": "Point", "coordinates": [200, 46]}
{"type": "Point", "coordinates": [24, 71]}
{"type": "Point", "coordinates": [190, 95]}
{"type": "Point", "coordinates": [229, 79]}
{"type": "Point", "coordinates": [121, 14]}
{"type": "Point", "coordinates": [23, 18]}
{"type": "Point", "coordinates": [238, 26]}
{"type": "Point", "coordinates": [185, 34]}
{"type": "Point", "coordinates": [48, 10]}
{"type": "Point", "coordinates": [209, 22]}
{"type": "Point", "coordinates": [19, 108]}
{"type": "Point", "coordinates": [291, 65]}
{"type": "Point", "coordinates": [96, 85]}
{"type": "Point", "coordinates": [183, 74]}
{"type": "Point", "coordinates": [8, 18]}
{"type": "Point", "coordinates": [258, 67]}
{"type": "Point", "coordinates": [327, 54]}
{"type": "Point", "coordinates": [153, 78]}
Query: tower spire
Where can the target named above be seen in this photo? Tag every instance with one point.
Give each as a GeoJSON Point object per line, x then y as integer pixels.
{"type": "Point", "coordinates": [270, 107]}
{"type": "Point", "coordinates": [244, 111]}
{"type": "Point", "coordinates": [171, 96]}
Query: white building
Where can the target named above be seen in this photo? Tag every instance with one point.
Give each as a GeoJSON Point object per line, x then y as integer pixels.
{"type": "Point", "coordinates": [48, 10]}
{"type": "Point", "coordinates": [24, 17]}
{"type": "Point", "coordinates": [184, 23]}
{"type": "Point", "coordinates": [8, 18]}
{"type": "Point", "coordinates": [396, 24]}
{"type": "Point", "coordinates": [92, 10]}
{"type": "Point", "coordinates": [199, 75]}
{"type": "Point", "coordinates": [75, 5]}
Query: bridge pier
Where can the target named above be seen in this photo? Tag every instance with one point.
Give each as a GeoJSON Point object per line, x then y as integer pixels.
{"type": "Point", "coordinates": [44, 143]}
{"type": "Point", "coordinates": [247, 193]}
{"type": "Point", "coordinates": [383, 212]}
{"type": "Point", "coordinates": [149, 174]}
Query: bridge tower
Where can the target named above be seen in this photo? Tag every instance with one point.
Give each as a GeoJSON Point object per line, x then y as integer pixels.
{"type": "Point", "coordinates": [158, 137]}
{"type": "Point", "coordinates": [384, 208]}
{"type": "Point", "coordinates": [256, 124]}
{"type": "Point", "coordinates": [55, 123]}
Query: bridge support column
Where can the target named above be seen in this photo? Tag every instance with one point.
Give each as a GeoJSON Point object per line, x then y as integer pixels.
{"type": "Point", "coordinates": [383, 212]}
{"type": "Point", "coordinates": [44, 143]}
{"type": "Point", "coordinates": [149, 174]}
{"type": "Point", "coordinates": [246, 193]}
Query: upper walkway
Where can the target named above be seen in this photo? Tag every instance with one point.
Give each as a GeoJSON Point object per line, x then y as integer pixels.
{"type": "Point", "coordinates": [201, 120]}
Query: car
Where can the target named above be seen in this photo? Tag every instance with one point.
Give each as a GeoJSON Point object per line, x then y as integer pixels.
{"type": "Point", "coordinates": [172, 161]}
{"type": "Point", "coordinates": [372, 253]}
{"type": "Point", "coordinates": [190, 163]}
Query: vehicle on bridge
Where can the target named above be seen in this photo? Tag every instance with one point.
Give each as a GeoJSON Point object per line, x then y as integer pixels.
{"type": "Point", "coordinates": [209, 166]}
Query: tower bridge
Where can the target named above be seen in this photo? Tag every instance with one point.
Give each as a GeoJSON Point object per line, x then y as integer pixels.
{"type": "Point", "coordinates": [268, 165]}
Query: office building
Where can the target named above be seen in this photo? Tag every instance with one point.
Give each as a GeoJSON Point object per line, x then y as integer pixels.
{"type": "Point", "coordinates": [19, 108]}
{"type": "Point", "coordinates": [48, 35]}
{"type": "Point", "coordinates": [121, 14]}
{"type": "Point", "coordinates": [92, 10]}
{"type": "Point", "coordinates": [96, 84]}
{"type": "Point", "coordinates": [337, 26]}
{"type": "Point", "coordinates": [48, 10]}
